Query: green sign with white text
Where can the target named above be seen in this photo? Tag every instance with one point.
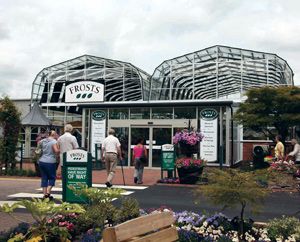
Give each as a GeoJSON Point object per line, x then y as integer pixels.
{"type": "Point", "coordinates": [77, 171]}
{"type": "Point", "coordinates": [167, 157]}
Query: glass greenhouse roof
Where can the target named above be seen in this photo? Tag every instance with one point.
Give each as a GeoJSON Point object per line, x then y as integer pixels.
{"type": "Point", "coordinates": [217, 72]}
{"type": "Point", "coordinates": [123, 81]}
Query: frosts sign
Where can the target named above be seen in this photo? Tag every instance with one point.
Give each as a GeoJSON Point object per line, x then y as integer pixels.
{"type": "Point", "coordinates": [84, 91]}
{"type": "Point", "coordinates": [77, 156]}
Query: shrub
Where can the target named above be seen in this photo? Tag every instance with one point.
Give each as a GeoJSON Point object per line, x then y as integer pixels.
{"type": "Point", "coordinates": [44, 212]}
{"type": "Point", "coordinates": [283, 228]}
{"type": "Point", "coordinates": [129, 210]}
{"type": "Point", "coordinates": [21, 228]}
{"type": "Point", "coordinates": [232, 188]}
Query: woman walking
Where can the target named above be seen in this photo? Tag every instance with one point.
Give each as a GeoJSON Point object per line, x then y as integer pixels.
{"type": "Point", "coordinates": [47, 163]}
{"type": "Point", "coordinates": [279, 148]}
{"type": "Point", "coordinates": [139, 158]}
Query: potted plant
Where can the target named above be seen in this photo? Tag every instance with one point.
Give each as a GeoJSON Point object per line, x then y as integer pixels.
{"type": "Point", "coordinates": [189, 169]}
{"type": "Point", "coordinates": [188, 141]}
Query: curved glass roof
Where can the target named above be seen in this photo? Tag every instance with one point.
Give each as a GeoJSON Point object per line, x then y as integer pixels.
{"type": "Point", "coordinates": [217, 72]}
{"type": "Point", "coordinates": [123, 81]}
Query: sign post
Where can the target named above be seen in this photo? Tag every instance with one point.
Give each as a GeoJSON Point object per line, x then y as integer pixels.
{"type": "Point", "coordinates": [168, 160]}
{"type": "Point", "coordinates": [77, 170]}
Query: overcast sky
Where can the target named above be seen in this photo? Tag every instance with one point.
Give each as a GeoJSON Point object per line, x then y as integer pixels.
{"type": "Point", "coordinates": [38, 33]}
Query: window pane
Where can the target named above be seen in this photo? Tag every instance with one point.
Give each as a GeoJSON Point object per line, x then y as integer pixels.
{"type": "Point", "coordinates": [162, 113]}
{"type": "Point", "coordinates": [118, 113]}
{"type": "Point", "coordinates": [139, 113]}
{"type": "Point", "coordinates": [185, 113]}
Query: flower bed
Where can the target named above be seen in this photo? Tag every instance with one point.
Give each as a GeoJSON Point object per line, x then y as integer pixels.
{"type": "Point", "coordinates": [283, 166]}
{"type": "Point", "coordinates": [193, 227]}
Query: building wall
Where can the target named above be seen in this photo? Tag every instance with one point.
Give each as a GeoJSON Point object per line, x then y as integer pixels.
{"type": "Point", "coordinates": [23, 105]}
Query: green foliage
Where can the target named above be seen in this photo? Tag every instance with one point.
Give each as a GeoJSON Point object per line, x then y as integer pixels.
{"type": "Point", "coordinates": [283, 228]}
{"type": "Point", "coordinates": [96, 217]}
{"type": "Point", "coordinates": [130, 209]}
{"type": "Point", "coordinates": [97, 196]}
{"type": "Point", "coordinates": [270, 107]}
{"type": "Point", "coordinates": [232, 188]}
{"type": "Point", "coordinates": [42, 212]}
{"type": "Point", "coordinates": [11, 124]}
{"type": "Point", "coordinates": [100, 211]}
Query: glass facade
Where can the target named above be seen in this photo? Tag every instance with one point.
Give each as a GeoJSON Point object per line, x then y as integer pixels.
{"type": "Point", "coordinates": [215, 74]}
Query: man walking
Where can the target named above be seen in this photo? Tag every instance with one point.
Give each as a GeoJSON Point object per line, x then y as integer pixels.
{"type": "Point", "coordinates": [67, 141]}
{"type": "Point", "coordinates": [111, 150]}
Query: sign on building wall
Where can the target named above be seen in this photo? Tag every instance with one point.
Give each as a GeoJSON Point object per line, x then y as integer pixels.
{"type": "Point", "coordinates": [84, 91]}
{"type": "Point", "coordinates": [98, 129]}
{"type": "Point", "coordinates": [209, 128]}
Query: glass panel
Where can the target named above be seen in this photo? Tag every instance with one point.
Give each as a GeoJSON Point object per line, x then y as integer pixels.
{"type": "Point", "coordinates": [122, 133]}
{"type": "Point", "coordinates": [162, 113]}
{"type": "Point", "coordinates": [137, 133]}
{"type": "Point", "coordinates": [139, 113]}
{"type": "Point", "coordinates": [34, 132]}
{"type": "Point", "coordinates": [185, 113]}
{"type": "Point", "coordinates": [119, 113]}
{"type": "Point", "coordinates": [161, 136]}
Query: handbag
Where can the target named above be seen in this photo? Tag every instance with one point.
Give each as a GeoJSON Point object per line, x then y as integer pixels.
{"type": "Point", "coordinates": [143, 157]}
{"type": "Point", "coordinates": [39, 150]}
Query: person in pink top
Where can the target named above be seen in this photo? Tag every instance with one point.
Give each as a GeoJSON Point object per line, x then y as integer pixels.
{"type": "Point", "coordinates": [139, 158]}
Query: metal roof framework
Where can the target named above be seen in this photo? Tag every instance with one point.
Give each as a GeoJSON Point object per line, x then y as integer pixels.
{"type": "Point", "coordinates": [122, 80]}
{"type": "Point", "coordinates": [218, 72]}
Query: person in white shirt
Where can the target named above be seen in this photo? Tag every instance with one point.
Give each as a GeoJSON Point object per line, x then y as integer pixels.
{"type": "Point", "coordinates": [111, 150]}
{"type": "Point", "coordinates": [67, 141]}
{"type": "Point", "coordinates": [296, 151]}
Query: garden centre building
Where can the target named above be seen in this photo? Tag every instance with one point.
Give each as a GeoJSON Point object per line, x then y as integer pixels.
{"type": "Point", "coordinates": [200, 89]}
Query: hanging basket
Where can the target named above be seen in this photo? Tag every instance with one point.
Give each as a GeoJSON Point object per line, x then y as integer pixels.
{"type": "Point", "coordinates": [188, 150]}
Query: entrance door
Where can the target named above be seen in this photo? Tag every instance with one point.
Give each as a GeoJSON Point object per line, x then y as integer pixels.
{"type": "Point", "coordinates": [137, 133]}
{"type": "Point", "coordinates": [154, 138]}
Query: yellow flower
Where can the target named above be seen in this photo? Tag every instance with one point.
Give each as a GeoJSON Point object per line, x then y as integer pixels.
{"type": "Point", "coordinates": [35, 239]}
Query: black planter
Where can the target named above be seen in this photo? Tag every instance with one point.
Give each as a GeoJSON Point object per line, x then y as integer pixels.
{"type": "Point", "coordinates": [189, 175]}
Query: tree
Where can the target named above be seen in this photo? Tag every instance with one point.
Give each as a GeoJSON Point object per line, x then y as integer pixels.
{"type": "Point", "coordinates": [269, 107]}
{"type": "Point", "coordinates": [11, 124]}
{"type": "Point", "coordinates": [231, 188]}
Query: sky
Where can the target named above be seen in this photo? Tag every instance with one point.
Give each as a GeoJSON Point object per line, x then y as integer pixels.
{"type": "Point", "coordinates": [35, 34]}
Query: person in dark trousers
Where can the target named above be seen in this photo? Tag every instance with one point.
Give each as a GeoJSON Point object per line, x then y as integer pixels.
{"type": "Point", "coordinates": [47, 163]}
{"type": "Point", "coordinates": [139, 158]}
{"type": "Point", "coordinates": [111, 151]}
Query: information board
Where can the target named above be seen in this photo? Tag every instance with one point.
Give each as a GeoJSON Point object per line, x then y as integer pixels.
{"type": "Point", "coordinates": [209, 128]}
{"type": "Point", "coordinates": [98, 129]}
{"type": "Point", "coordinates": [77, 171]}
{"type": "Point", "coordinates": [168, 157]}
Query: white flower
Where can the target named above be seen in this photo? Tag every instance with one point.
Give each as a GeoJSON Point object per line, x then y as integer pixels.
{"type": "Point", "coordinates": [205, 224]}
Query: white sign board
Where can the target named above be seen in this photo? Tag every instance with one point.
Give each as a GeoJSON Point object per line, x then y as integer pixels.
{"type": "Point", "coordinates": [77, 156]}
{"type": "Point", "coordinates": [98, 129]}
{"type": "Point", "coordinates": [84, 91]}
{"type": "Point", "coordinates": [167, 147]}
{"type": "Point", "coordinates": [209, 128]}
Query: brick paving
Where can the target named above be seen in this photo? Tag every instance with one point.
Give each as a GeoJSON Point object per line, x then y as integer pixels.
{"type": "Point", "coordinates": [151, 175]}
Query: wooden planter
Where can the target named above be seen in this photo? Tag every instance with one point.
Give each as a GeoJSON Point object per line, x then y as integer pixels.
{"type": "Point", "coordinates": [189, 175]}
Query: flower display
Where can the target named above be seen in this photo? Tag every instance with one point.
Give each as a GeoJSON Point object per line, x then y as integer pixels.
{"type": "Point", "coordinates": [194, 227]}
{"type": "Point", "coordinates": [283, 166]}
{"type": "Point", "coordinates": [189, 162]}
{"type": "Point", "coordinates": [187, 137]}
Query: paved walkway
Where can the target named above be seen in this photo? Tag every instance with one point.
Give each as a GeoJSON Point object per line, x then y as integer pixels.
{"type": "Point", "coordinates": [151, 175]}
